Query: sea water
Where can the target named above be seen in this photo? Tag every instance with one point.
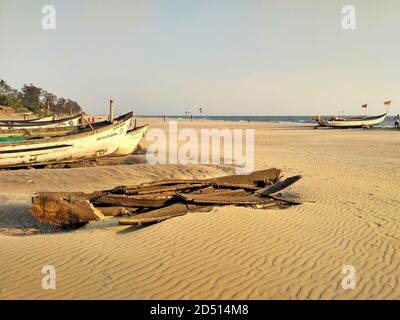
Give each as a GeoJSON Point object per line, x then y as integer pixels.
{"type": "Point", "coordinates": [274, 119]}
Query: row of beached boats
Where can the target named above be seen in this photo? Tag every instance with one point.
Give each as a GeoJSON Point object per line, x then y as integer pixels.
{"type": "Point", "coordinates": [43, 142]}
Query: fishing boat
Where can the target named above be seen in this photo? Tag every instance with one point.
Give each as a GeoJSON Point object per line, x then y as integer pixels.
{"type": "Point", "coordinates": [28, 133]}
{"type": "Point", "coordinates": [48, 118]}
{"type": "Point", "coordinates": [42, 133]}
{"type": "Point", "coordinates": [131, 140]}
{"type": "Point", "coordinates": [97, 142]}
{"type": "Point", "coordinates": [355, 122]}
{"type": "Point", "coordinates": [67, 122]}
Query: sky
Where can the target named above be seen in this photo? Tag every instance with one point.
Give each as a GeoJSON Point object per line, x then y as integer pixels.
{"type": "Point", "coordinates": [255, 57]}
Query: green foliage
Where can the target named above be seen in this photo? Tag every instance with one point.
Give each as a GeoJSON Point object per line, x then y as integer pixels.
{"type": "Point", "coordinates": [36, 100]}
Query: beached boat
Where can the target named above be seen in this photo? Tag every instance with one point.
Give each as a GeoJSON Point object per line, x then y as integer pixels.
{"type": "Point", "coordinates": [41, 133]}
{"type": "Point", "coordinates": [28, 133]}
{"type": "Point", "coordinates": [74, 147]}
{"type": "Point", "coordinates": [67, 122]}
{"type": "Point", "coordinates": [131, 140]}
{"type": "Point", "coordinates": [48, 118]}
{"type": "Point", "coordinates": [357, 122]}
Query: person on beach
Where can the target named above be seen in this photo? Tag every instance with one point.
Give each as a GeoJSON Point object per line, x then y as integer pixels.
{"type": "Point", "coordinates": [397, 121]}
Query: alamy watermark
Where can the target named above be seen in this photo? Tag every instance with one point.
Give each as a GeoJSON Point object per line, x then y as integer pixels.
{"type": "Point", "coordinates": [349, 281]}
{"type": "Point", "coordinates": [349, 21]}
{"type": "Point", "coordinates": [202, 148]}
{"type": "Point", "coordinates": [49, 280]}
{"type": "Point", "coordinates": [48, 17]}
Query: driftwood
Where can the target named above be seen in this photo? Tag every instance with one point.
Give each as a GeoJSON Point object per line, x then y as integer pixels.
{"type": "Point", "coordinates": [160, 200]}
{"type": "Point", "coordinates": [268, 190]}
{"type": "Point", "coordinates": [225, 199]}
{"type": "Point", "coordinates": [174, 210]}
{"type": "Point", "coordinates": [53, 210]}
{"type": "Point", "coordinates": [133, 201]}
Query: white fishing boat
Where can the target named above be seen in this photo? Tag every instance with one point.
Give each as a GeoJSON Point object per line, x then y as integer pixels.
{"type": "Point", "coordinates": [49, 132]}
{"type": "Point", "coordinates": [48, 118]}
{"type": "Point", "coordinates": [67, 122]}
{"type": "Point", "coordinates": [131, 140]}
{"type": "Point", "coordinates": [22, 121]}
{"type": "Point", "coordinates": [359, 122]}
{"type": "Point", "coordinates": [74, 147]}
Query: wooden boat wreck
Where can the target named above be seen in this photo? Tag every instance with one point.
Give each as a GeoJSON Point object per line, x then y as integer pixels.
{"type": "Point", "coordinates": [66, 122]}
{"type": "Point", "coordinates": [161, 200]}
{"type": "Point", "coordinates": [352, 122]}
{"type": "Point", "coordinates": [75, 146]}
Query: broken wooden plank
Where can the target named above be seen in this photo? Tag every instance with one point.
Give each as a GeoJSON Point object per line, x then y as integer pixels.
{"type": "Point", "coordinates": [225, 199]}
{"type": "Point", "coordinates": [249, 179]}
{"type": "Point", "coordinates": [116, 211]}
{"type": "Point", "coordinates": [169, 182]}
{"type": "Point", "coordinates": [278, 186]}
{"type": "Point", "coordinates": [173, 188]}
{"type": "Point", "coordinates": [287, 198]}
{"type": "Point", "coordinates": [234, 186]}
{"type": "Point", "coordinates": [221, 192]}
{"type": "Point", "coordinates": [174, 210]}
{"type": "Point", "coordinates": [133, 201]}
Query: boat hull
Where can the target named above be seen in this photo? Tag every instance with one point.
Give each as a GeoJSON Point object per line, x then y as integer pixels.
{"type": "Point", "coordinates": [354, 123]}
{"type": "Point", "coordinates": [131, 141]}
{"type": "Point", "coordinates": [68, 122]}
{"type": "Point", "coordinates": [22, 121]}
{"type": "Point", "coordinates": [70, 148]}
{"type": "Point", "coordinates": [49, 132]}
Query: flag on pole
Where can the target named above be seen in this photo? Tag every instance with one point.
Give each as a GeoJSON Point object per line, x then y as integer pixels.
{"type": "Point", "coordinates": [387, 103]}
{"type": "Point", "coordinates": [364, 106]}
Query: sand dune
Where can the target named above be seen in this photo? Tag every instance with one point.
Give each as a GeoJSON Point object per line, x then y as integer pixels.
{"type": "Point", "coordinates": [350, 217]}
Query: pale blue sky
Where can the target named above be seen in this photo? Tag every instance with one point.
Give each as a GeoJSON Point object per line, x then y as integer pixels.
{"type": "Point", "coordinates": [278, 57]}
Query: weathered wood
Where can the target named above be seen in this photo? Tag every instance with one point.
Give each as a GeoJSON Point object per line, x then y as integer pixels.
{"type": "Point", "coordinates": [173, 188]}
{"type": "Point", "coordinates": [249, 179]}
{"type": "Point", "coordinates": [133, 201]}
{"type": "Point", "coordinates": [278, 186]}
{"type": "Point", "coordinates": [287, 198]}
{"type": "Point", "coordinates": [225, 199]}
{"type": "Point", "coordinates": [221, 185]}
{"type": "Point", "coordinates": [174, 210]}
{"type": "Point", "coordinates": [168, 182]}
{"type": "Point", "coordinates": [115, 211]}
{"type": "Point", "coordinates": [222, 192]}
{"type": "Point", "coordinates": [54, 210]}
{"type": "Point", "coordinates": [164, 199]}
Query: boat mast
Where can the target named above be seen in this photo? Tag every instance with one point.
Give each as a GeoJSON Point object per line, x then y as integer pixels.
{"type": "Point", "coordinates": [111, 110]}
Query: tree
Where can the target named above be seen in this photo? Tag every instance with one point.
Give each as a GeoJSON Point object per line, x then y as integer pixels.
{"type": "Point", "coordinates": [5, 89]}
{"type": "Point", "coordinates": [49, 101]}
{"type": "Point", "coordinates": [9, 97]}
{"type": "Point", "coordinates": [72, 107]}
{"type": "Point", "coordinates": [31, 96]}
{"type": "Point", "coordinates": [36, 100]}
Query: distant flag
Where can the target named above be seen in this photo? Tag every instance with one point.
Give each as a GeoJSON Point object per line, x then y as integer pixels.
{"type": "Point", "coordinates": [364, 106]}
{"type": "Point", "coordinates": [388, 102]}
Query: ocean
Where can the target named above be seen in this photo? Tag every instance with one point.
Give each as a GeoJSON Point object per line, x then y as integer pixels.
{"type": "Point", "coordinates": [274, 119]}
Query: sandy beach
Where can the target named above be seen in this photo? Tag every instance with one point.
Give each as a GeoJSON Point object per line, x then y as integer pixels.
{"type": "Point", "coordinates": [350, 216]}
